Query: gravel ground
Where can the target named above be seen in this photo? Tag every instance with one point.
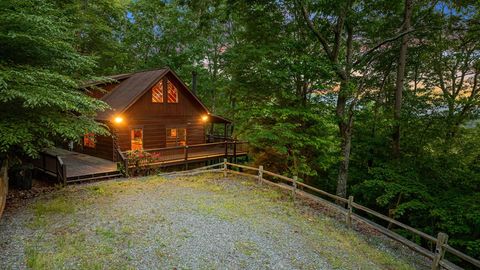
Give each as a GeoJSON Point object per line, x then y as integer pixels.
{"type": "Point", "coordinates": [198, 222]}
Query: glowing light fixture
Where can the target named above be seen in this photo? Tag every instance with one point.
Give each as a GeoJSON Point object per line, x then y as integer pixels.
{"type": "Point", "coordinates": [204, 118]}
{"type": "Point", "coordinates": [118, 119]}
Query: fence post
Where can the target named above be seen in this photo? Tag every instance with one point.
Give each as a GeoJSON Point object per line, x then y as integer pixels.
{"type": "Point", "coordinates": [349, 212]}
{"type": "Point", "coordinates": [294, 189]}
{"type": "Point", "coordinates": [226, 149]}
{"type": "Point", "coordinates": [64, 174]}
{"type": "Point", "coordinates": [260, 174]}
{"type": "Point", "coordinates": [442, 239]}
{"type": "Point", "coordinates": [224, 167]}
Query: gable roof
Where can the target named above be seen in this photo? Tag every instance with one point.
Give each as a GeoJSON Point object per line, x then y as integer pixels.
{"type": "Point", "coordinates": [131, 89]}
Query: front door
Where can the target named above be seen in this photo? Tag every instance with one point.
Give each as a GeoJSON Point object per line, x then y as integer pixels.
{"type": "Point", "coordinates": [176, 137]}
{"type": "Point", "coordinates": [137, 138]}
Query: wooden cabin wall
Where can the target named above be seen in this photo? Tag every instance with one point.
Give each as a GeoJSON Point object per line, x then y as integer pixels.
{"type": "Point", "coordinates": [103, 148]}
{"type": "Point", "coordinates": [186, 106]}
{"type": "Point", "coordinates": [155, 118]}
{"type": "Point", "coordinates": [155, 130]}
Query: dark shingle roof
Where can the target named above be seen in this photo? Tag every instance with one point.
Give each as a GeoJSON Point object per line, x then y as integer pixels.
{"type": "Point", "coordinates": [129, 90]}
{"type": "Point", "coordinates": [132, 88]}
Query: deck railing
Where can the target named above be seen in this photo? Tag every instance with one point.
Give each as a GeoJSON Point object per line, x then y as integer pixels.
{"type": "Point", "coordinates": [53, 165]}
{"type": "Point", "coordinates": [300, 189]}
{"type": "Point", "coordinates": [185, 153]}
{"type": "Point", "coordinates": [213, 138]}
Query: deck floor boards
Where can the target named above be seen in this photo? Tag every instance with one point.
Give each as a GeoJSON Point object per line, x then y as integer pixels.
{"type": "Point", "coordinates": [79, 164]}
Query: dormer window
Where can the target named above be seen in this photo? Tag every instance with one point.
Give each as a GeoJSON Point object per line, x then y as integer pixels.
{"type": "Point", "coordinates": [172, 93]}
{"type": "Point", "coordinates": [157, 92]}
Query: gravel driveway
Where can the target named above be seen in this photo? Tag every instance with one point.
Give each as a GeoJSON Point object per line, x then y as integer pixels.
{"type": "Point", "coordinates": [197, 222]}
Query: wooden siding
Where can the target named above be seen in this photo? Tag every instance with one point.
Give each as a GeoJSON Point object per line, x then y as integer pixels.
{"type": "Point", "coordinates": [155, 118]}
{"type": "Point", "coordinates": [144, 108]}
{"type": "Point", "coordinates": [103, 148]}
{"type": "Point", "coordinates": [155, 130]}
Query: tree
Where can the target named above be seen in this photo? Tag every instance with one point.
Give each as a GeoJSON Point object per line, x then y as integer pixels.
{"type": "Point", "coordinates": [40, 72]}
{"type": "Point", "coordinates": [400, 80]}
{"type": "Point", "coordinates": [340, 30]}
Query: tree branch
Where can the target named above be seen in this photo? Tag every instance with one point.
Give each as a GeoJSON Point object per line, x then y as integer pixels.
{"type": "Point", "coordinates": [315, 31]}
{"type": "Point", "coordinates": [367, 53]}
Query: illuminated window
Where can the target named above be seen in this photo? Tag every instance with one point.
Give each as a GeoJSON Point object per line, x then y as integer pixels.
{"type": "Point", "coordinates": [176, 137]}
{"type": "Point", "coordinates": [172, 93]}
{"type": "Point", "coordinates": [157, 93]}
{"type": "Point", "coordinates": [89, 140]}
{"type": "Point", "coordinates": [137, 138]}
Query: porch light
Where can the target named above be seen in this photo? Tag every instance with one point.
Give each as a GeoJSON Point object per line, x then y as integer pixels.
{"type": "Point", "coordinates": [204, 118]}
{"type": "Point", "coordinates": [118, 119]}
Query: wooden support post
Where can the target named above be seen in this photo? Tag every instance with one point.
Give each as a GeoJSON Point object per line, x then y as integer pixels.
{"type": "Point", "coordinates": [64, 174]}
{"type": "Point", "coordinates": [260, 174]}
{"type": "Point", "coordinates": [225, 167]}
{"type": "Point", "coordinates": [294, 189]}
{"type": "Point", "coordinates": [349, 212]}
{"type": "Point", "coordinates": [125, 164]}
{"type": "Point", "coordinates": [442, 239]}
{"type": "Point", "coordinates": [235, 151]}
{"type": "Point", "coordinates": [226, 149]}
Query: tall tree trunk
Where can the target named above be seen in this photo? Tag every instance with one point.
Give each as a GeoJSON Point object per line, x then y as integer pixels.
{"type": "Point", "coordinates": [402, 59]}
{"type": "Point", "coordinates": [345, 147]}
{"type": "Point", "coordinates": [345, 129]}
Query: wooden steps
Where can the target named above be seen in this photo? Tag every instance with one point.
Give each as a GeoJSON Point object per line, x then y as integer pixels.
{"type": "Point", "coordinates": [94, 177]}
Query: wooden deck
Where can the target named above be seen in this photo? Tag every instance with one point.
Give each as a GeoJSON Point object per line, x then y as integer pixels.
{"type": "Point", "coordinates": [72, 167]}
{"type": "Point", "coordinates": [163, 157]}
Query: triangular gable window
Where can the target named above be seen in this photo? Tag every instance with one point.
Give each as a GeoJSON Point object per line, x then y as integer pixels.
{"type": "Point", "coordinates": [157, 92]}
{"type": "Point", "coordinates": [172, 93]}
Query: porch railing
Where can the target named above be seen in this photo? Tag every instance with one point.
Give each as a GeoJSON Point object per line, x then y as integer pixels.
{"type": "Point", "coordinates": [212, 138]}
{"type": "Point", "coordinates": [185, 153]}
{"type": "Point", "coordinates": [53, 165]}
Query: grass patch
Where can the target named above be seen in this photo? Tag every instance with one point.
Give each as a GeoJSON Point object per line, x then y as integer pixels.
{"type": "Point", "coordinates": [59, 205]}
{"type": "Point", "coordinates": [247, 248]}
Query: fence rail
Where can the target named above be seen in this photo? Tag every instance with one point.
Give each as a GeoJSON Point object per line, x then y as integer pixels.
{"type": "Point", "coordinates": [441, 245]}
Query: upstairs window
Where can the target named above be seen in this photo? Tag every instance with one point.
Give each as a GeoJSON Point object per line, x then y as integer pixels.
{"type": "Point", "coordinates": [172, 93]}
{"type": "Point", "coordinates": [89, 140]}
{"type": "Point", "coordinates": [157, 92]}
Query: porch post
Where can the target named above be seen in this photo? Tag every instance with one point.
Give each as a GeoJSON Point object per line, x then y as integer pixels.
{"type": "Point", "coordinates": [235, 151]}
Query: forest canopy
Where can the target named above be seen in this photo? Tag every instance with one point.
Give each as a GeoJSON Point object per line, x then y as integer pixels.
{"type": "Point", "coordinates": [375, 99]}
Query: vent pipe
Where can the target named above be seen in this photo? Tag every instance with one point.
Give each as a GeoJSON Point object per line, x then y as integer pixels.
{"type": "Point", "coordinates": [194, 82]}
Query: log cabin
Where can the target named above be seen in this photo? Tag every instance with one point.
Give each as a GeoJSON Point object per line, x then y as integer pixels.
{"type": "Point", "coordinates": [149, 110]}
{"type": "Point", "coordinates": [151, 113]}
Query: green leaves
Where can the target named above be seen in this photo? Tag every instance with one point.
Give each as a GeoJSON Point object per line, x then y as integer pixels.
{"type": "Point", "coordinates": [40, 71]}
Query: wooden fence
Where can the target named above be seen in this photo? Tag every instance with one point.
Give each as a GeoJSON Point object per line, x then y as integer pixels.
{"type": "Point", "coordinates": [300, 189]}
